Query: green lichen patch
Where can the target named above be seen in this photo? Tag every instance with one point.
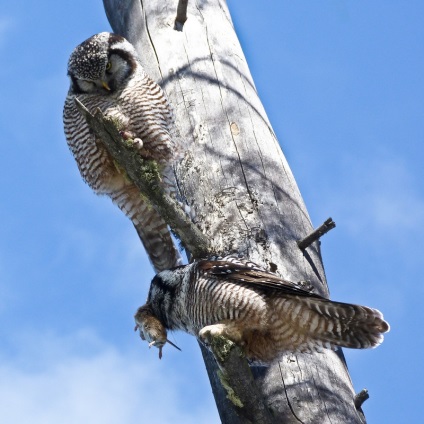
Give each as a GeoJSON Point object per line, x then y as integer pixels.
{"type": "Point", "coordinates": [221, 347]}
{"type": "Point", "coordinates": [231, 394]}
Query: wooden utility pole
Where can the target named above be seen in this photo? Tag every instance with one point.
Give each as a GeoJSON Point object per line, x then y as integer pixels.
{"type": "Point", "coordinates": [237, 179]}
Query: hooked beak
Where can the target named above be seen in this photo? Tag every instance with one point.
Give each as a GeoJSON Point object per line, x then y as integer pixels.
{"type": "Point", "coordinates": [105, 85]}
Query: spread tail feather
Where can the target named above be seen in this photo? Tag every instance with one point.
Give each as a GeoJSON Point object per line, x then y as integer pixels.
{"type": "Point", "coordinates": [346, 325]}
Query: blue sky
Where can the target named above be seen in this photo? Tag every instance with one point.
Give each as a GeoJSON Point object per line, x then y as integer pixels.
{"type": "Point", "coordinates": [342, 83]}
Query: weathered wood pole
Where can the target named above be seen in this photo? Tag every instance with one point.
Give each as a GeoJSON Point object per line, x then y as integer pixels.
{"type": "Point", "coordinates": [240, 185]}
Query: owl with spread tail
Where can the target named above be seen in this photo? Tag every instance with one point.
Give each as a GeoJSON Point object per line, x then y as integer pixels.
{"type": "Point", "coordinates": [256, 309]}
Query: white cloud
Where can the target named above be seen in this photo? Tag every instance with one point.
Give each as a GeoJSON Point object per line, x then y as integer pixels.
{"type": "Point", "coordinates": [377, 197]}
{"type": "Point", "coordinates": [394, 201]}
{"type": "Point", "coordinates": [50, 380]}
{"type": "Point", "coordinates": [5, 25]}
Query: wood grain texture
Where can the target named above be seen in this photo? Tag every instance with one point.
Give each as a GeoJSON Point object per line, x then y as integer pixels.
{"type": "Point", "coordinates": [238, 181]}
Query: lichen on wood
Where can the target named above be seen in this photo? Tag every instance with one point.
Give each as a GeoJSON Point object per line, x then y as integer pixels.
{"type": "Point", "coordinates": [238, 382]}
{"type": "Point", "coordinates": [231, 394]}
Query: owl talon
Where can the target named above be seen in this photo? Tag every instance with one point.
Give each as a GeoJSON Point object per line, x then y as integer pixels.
{"type": "Point", "coordinates": [138, 143]}
{"type": "Point", "coordinates": [126, 135]}
{"type": "Point", "coordinates": [206, 334]}
{"type": "Point", "coordinates": [132, 139]}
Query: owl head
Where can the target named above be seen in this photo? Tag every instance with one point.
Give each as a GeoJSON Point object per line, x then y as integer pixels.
{"type": "Point", "coordinates": [102, 64]}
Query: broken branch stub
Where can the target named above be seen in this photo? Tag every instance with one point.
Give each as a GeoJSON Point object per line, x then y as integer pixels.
{"type": "Point", "coordinates": [328, 225]}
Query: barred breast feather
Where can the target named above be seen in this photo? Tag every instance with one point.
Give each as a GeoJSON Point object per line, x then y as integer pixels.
{"type": "Point", "coordinates": [141, 107]}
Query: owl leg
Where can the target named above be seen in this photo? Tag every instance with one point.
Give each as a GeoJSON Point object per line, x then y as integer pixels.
{"type": "Point", "coordinates": [228, 329]}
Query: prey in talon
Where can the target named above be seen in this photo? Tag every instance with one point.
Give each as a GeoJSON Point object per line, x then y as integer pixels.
{"type": "Point", "coordinates": [151, 329]}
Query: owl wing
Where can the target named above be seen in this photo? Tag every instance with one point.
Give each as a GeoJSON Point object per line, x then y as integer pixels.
{"type": "Point", "coordinates": [252, 275]}
{"type": "Point", "coordinates": [315, 321]}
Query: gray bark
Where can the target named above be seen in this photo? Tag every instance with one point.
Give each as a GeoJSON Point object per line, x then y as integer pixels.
{"type": "Point", "coordinates": [238, 181]}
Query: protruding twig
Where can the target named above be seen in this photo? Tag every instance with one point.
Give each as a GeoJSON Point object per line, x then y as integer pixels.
{"type": "Point", "coordinates": [328, 225]}
{"type": "Point", "coordinates": [361, 397]}
{"type": "Point", "coordinates": [144, 175]}
{"type": "Point", "coordinates": [181, 15]}
{"type": "Point", "coordinates": [237, 379]}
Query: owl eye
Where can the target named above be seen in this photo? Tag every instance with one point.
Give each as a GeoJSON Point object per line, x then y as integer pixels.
{"type": "Point", "coordinates": [108, 66]}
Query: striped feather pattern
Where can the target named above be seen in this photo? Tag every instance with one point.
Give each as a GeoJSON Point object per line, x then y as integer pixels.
{"type": "Point", "coordinates": [232, 298]}
{"type": "Point", "coordinates": [143, 109]}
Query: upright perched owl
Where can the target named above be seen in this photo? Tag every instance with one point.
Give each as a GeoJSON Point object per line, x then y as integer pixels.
{"type": "Point", "coordinates": [105, 72]}
{"type": "Point", "coordinates": [254, 308]}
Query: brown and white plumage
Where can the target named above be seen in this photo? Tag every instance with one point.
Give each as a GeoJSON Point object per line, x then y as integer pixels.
{"type": "Point", "coordinates": [257, 310]}
{"type": "Point", "coordinates": [106, 73]}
